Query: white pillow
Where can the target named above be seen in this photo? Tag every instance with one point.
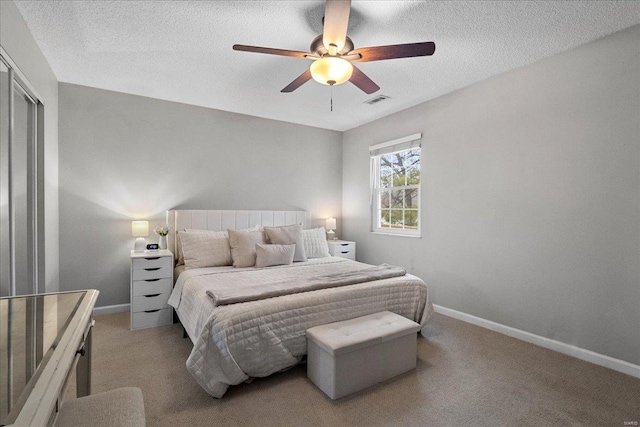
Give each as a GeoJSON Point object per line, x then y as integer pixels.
{"type": "Point", "coordinates": [243, 246]}
{"type": "Point", "coordinates": [268, 255]}
{"type": "Point", "coordinates": [205, 250]}
{"type": "Point", "coordinates": [287, 235]}
{"type": "Point", "coordinates": [179, 250]}
{"type": "Point", "coordinates": [315, 243]}
{"type": "Point", "coordinates": [195, 230]}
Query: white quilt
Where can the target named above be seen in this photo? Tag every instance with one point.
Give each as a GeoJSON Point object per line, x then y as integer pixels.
{"type": "Point", "coordinates": [235, 342]}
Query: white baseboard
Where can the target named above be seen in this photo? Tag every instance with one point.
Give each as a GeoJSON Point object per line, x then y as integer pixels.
{"type": "Point", "coordinates": [560, 347]}
{"type": "Point", "coordinates": [110, 309]}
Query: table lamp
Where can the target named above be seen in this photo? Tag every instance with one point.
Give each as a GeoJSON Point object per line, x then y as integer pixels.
{"type": "Point", "coordinates": [331, 225]}
{"type": "Point", "coordinates": [140, 230]}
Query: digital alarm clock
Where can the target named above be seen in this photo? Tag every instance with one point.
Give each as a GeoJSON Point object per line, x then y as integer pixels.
{"type": "Point", "coordinates": [152, 247]}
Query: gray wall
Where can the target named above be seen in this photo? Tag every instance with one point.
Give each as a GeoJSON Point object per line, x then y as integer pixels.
{"type": "Point", "coordinates": [531, 197]}
{"type": "Point", "coordinates": [18, 42]}
{"type": "Point", "coordinates": [124, 157]}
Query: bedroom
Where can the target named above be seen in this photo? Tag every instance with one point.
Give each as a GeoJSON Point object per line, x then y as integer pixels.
{"type": "Point", "coordinates": [530, 215]}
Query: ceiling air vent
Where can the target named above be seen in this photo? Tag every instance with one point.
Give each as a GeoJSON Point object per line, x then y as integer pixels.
{"type": "Point", "coordinates": [376, 99]}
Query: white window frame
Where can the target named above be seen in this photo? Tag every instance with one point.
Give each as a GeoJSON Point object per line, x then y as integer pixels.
{"type": "Point", "coordinates": [375, 152]}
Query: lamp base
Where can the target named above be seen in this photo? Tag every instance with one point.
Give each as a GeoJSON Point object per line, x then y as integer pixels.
{"type": "Point", "coordinates": [331, 235]}
{"type": "Point", "coordinates": [140, 245]}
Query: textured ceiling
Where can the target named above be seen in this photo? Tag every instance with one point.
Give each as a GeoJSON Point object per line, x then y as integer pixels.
{"type": "Point", "coordinates": [181, 50]}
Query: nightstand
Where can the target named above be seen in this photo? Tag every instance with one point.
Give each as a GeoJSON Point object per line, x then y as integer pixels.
{"type": "Point", "coordinates": [151, 285]}
{"type": "Point", "coordinates": [342, 248]}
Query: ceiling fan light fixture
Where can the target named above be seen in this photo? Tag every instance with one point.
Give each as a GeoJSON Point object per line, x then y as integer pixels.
{"type": "Point", "coordinates": [331, 70]}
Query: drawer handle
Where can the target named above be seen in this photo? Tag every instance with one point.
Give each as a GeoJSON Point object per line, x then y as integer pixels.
{"type": "Point", "coordinates": [152, 269]}
{"type": "Point", "coordinates": [151, 280]}
{"type": "Point", "coordinates": [151, 311]}
{"type": "Point", "coordinates": [344, 252]}
{"type": "Point", "coordinates": [344, 244]}
{"type": "Point", "coordinates": [151, 296]}
{"type": "Point", "coordinates": [153, 258]}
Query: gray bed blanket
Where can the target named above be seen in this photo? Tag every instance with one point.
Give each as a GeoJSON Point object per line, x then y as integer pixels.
{"type": "Point", "coordinates": [223, 296]}
{"type": "Point", "coordinates": [236, 342]}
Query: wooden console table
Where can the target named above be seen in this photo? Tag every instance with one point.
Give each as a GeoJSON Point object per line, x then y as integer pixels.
{"type": "Point", "coordinates": [42, 338]}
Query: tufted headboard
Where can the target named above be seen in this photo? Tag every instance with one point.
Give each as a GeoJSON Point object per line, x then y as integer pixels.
{"type": "Point", "coordinates": [222, 220]}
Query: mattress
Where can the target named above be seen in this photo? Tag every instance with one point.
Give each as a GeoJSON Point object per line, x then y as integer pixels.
{"type": "Point", "coordinates": [235, 342]}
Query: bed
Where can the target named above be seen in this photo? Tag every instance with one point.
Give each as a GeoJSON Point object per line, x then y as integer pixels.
{"type": "Point", "coordinates": [257, 337]}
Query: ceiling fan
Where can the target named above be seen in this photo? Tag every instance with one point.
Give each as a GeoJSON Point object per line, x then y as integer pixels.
{"type": "Point", "coordinates": [333, 53]}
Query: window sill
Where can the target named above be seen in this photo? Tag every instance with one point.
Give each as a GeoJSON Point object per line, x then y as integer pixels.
{"type": "Point", "coordinates": [382, 233]}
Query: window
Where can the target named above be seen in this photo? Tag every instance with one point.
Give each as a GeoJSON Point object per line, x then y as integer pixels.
{"type": "Point", "coordinates": [395, 186]}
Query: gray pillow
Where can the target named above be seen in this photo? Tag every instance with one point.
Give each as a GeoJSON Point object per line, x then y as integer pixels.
{"type": "Point", "coordinates": [243, 246]}
{"type": "Point", "coordinates": [287, 235]}
{"type": "Point", "coordinates": [268, 255]}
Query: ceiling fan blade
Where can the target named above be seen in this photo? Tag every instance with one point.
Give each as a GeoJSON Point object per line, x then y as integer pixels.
{"type": "Point", "coordinates": [271, 51]}
{"type": "Point", "coordinates": [363, 82]}
{"type": "Point", "coordinates": [299, 81]}
{"type": "Point", "coordinates": [336, 21]}
{"type": "Point", "coordinates": [408, 50]}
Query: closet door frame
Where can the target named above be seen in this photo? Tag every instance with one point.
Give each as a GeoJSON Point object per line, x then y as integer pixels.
{"type": "Point", "coordinates": [35, 177]}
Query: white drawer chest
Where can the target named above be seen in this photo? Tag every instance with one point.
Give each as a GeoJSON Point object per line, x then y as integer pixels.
{"type": "Point", "coordinates": [151, 285]}
{"type": "Point", "coordinates": [342, 248]}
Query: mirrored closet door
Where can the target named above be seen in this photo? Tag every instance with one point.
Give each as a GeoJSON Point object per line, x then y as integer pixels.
{"type": "Point", "coordinates": [18, 183]}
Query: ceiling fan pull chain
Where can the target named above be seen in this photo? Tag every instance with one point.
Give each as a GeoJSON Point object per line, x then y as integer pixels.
{"type": "Point", "coordinates": [331, 98]}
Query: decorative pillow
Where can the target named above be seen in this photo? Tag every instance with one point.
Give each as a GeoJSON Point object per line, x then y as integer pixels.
{"type": "Point", "coordinates": [194, 230]}
{"type": "Point", "coordinates": [205, 250]}
{"type": "Point", "coordinates": [243, 246]}
{"type": "Point", "coordinates": [315, 243]}
{"type": "Point", "coordinates": [287, 235]}
{"type": "Point", "coordinates": [268, 255]}
{"type": "Point", "coordinates": [179, 250]}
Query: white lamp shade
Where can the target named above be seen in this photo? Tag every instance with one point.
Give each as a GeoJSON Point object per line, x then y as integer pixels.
{"type": "Point", "coordinates": [331, 70]}
{"type": "Point", "coordinates": [139, 228]}
{"type": "Point", "coordinates": [331, 224]}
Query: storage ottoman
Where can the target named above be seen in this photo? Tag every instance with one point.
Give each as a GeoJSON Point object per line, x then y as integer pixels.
{"type": "Point", "coordinates": [345, 357]}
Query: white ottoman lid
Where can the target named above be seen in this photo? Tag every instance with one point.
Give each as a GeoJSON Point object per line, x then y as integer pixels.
{"type": "Point", "coordinates": [350, 335]}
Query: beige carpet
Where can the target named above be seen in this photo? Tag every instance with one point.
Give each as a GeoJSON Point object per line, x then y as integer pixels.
{"type": "Point", "coordinates": [466, 376]}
